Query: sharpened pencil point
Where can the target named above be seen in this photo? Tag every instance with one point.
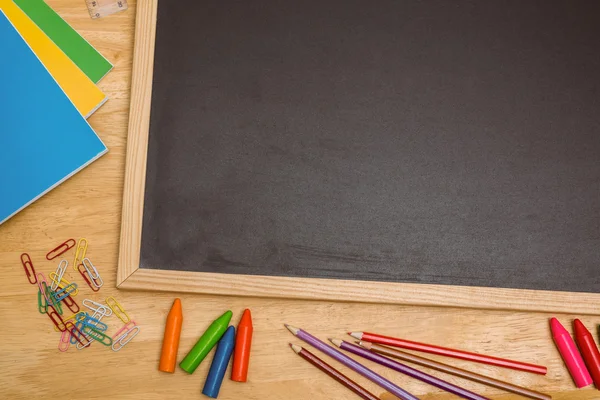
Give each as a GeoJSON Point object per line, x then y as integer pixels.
{"type": "Point", "coordinates": [297, 349]}
{"type": "Point", "coordinates": [356, 335]}
{"type": "Point", "coordinates": [366, 345]}
{"type": "Point", "coordinates": [292, 329]}
{"type": "Point", "coordinates": [337, 342]}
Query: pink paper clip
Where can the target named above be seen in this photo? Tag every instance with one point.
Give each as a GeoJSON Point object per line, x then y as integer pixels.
{"type": "Point", "coordinates": [60, 249]}
{"type": "Point", "coordinates": [65, 341]}
{"type": "Point", "coordinates": [71, 304]}
{"type": "Point", "coordinates": [28, 266]}
{"type": "Point", "coordinates": [83, 272]}
{"type": "Point", "coordinates": [56, 319]}
{"type": "Point", "coordinates": [125, 327]}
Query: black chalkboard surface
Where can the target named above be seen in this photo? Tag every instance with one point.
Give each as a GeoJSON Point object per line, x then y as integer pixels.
{"type": "Point", "coordinates": [451, 142]}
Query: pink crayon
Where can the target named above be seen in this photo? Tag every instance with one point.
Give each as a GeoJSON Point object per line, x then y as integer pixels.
{"type": "Point", "coordinates": [570, 354]}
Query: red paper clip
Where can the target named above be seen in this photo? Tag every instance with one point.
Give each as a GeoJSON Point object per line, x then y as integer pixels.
{"type": "Point", "coordinates": [71, 304]}
{"type": "Point", "coordinates": [60, 249]}
{"type": "Point", "coordinates": [28, 265]}
{"type": "Point", "coordinates": [79, 335]}
{"type": "Point", "coordinates": [56, 319]}
{"type": "Point", "coordinates": [83, 273]}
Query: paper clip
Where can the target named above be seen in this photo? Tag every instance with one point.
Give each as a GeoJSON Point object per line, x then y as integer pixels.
{"type": "Point", "coordinates": [64, 292]}
{"type": "Point", "coordinates": [71, 304]}
{"type": "Point", "coordinates": [65, 341]}
{"type": "Point", "coordinates": [56, 319]}
{"type": "Point", "coordinates": [80, 252]}
{"type": "Point", "coordinates": [42, 308]}
{"type": "Point", "coordinates": [49, 294]}
{"type": "Point", "coordinates": [76, 332]}
{"type": "Point", "coordinates": [94, 323]}
{"type": "Point", "coordinates": [118, 309]}
{"type": "Point", "coordinates": [122, 340]}
{"type": "Point", "coordinates": [124, 328]}
{"type": "Point", "coordinates": [60, 271]}
{"type": "Point", "coordinates": [93, 273]}
{"type": "Point", "coordinates": [97, 335]}
{"type": "Point", "coordinates": [71, 318]}
{"type": "Point", "coordinates": [92, 305]}
{"type": "Point", "coordinates": [28, 266]}
{"type": "Point", "coordinates": [41, 280]}
{"type": "Point", "coordinates": [87, 280]}
{"type": "Point", "coordinates": [62, 282]}
{"type": "Point", "coordinates": [60, 249]}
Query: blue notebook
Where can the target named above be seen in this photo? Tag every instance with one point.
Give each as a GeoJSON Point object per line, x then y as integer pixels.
{"type": "Point", "coordinates": [43, 138]}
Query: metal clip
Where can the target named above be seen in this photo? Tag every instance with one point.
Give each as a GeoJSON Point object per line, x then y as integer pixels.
{"type": "Point", "coordinates": [65, 341]}
{"type": "Point", "coordinates": [60, 271]}
{"type": "Point", "coordinates": [29, 270]}
{"type": "Point", "coordinates": [80, 251]}
{"type": "Point", "coordinates": [64, 292]}
{"type": "Point", "coordinates": [98, 335]}
{"type": "Point", "coordinates": [60, 249]}
{"type": "Point", "coordinates": [97, 307]}
{"type": "Point", "coordinates": [118, 309]}
{"type": "Point", "coordinates": [93, 273]}
{"type": "Point", "coordinates": [61, 282]}
{"type": "Point", "coordinates": [125, 338]}
{"type": "Point", "coordinates": [71, 318]}
{"type": "Point", "coordinates": [56, 319]}
{"type": "Point", "coordinates": [42, 303]}
{"type": "Point", "coordinates": [87, 280]}
{"type": "Point", "coordinates": [71, 304]}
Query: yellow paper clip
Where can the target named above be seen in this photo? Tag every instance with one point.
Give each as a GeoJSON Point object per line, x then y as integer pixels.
{"type": "Point", "coordinates": [71, 318]}
{"type": "Point", "coordinates": [80, 251]}
{"type": "Point", "coordinates": [118, 309]}
{"type": "Point", "coordinates": [63, 283]}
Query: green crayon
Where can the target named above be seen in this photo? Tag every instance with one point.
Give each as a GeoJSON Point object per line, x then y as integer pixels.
{"type": "Point", "coordinates": [206, 342]}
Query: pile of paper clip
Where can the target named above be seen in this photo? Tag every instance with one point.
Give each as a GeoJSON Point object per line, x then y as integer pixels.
{"type": "Point", "coordinates": [82, 327]}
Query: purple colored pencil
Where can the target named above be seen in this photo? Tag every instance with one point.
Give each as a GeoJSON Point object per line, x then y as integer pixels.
{"type": "Point", "coordinates": [406, 370]}
{"type": "Point", "coordinates": [350, 363]}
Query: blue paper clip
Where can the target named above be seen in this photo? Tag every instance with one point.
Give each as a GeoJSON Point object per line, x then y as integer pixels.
{"type": "Point", "coordinates": [64, 292]}
{"type": "Point", "coordinates": [94, 323]}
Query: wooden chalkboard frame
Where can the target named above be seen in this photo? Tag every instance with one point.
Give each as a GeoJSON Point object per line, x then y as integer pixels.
{"type": "Point", "coordinates": [130, 276]}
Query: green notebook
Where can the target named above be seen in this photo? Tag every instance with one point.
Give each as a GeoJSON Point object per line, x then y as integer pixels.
{"type": "Point", "coordinates": [83, 54]}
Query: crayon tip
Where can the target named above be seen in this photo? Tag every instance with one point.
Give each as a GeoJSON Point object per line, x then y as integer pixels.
{"type": "Point", "coordinates": [246, 319]}
{"type": "Point", "coordinates": [556, 326]}
{"type": "Point", "coordinates": [225, 318]}
{"type": "Point", "coordinates": [176, 305]}
{"type": "Point", "coordinates": [580, 329]}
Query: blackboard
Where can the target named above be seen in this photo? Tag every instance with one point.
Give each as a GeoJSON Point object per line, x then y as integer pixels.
{"type": "Point", "coordinates": [438, 142]}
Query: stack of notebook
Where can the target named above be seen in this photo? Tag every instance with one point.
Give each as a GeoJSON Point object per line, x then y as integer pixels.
{"type": "Point", "coordinates": [48, 77]}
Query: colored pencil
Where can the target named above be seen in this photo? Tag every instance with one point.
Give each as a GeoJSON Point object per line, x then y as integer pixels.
{"type": "Point", "coordinates": [444, 351]}
{"type": "Point", "coordinates": [406, 370]}
{"type": "Point", "coordinates": [334, 373]}
{"type": "Point", "coordinates": [463, 373]}
{"type": "Point", "coordinates": [350, 363]}
{"type": "Point", "coordinates": [589, 351]}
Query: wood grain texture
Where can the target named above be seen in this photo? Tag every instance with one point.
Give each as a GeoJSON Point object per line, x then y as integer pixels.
{"type": "Point", "coordinates": [89, 205]}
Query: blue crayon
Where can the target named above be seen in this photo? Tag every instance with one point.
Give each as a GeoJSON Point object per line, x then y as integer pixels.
{"type": "Point", "coordinates": [219, 364]}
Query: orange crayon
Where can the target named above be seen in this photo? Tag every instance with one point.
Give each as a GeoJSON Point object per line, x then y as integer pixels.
{"type": "Point", "coordinates": [168, 355]}
{"type": "Point", "coordinates": [243, 342]}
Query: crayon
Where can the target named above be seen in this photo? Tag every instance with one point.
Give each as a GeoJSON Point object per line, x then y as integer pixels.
{"type": "Point", "coordinates": [570, 354]}
{"type": "Point", "coordinates": [243, 342]}
{"type": "Point", "coordinates": [589, 351]}
{"type": "Point", "coordinates": [215, 376]}
{"type": "Point", "coordinates": [168, 355]}
{"type": "Point", "coordinates": [205, 344]}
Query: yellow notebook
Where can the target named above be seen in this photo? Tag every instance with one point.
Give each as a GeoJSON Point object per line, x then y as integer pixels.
{"type": "Point", "coordinates": [77, 86]}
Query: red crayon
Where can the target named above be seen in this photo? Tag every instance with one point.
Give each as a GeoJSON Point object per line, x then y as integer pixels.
{"type": "Point", "coordinates": [589, 351]}
{"type": "Point", "coordinates": [243, 343]}
{"type": "Point", "coordinates": [570, 355]}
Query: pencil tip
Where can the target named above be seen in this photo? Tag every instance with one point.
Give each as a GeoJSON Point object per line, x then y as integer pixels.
{"type": "Point", "coordinates": [337, 342]}
{"type": "Point", "coordinates": [292, 329]}
{"type": "Point", "coordinates": [356, 335]}
{"type": "Point", "coordinates": [366, 345]}
{"type": "Point", "coordinates": [297, 349]}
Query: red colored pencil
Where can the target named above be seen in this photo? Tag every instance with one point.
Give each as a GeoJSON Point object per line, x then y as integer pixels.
{"type": "Point", "coordinates": [444, 351]}
{"type": "Point", "coordinates": [589, 351]}
{"type": "Point", "coordinates": [334, 373]}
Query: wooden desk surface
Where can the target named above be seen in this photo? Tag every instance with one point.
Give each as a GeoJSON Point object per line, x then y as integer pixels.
{"type": "Point", "coordinates": [89, 205]}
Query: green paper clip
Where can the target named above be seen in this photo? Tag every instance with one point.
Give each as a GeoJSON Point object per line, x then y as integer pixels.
{"type": "Point", "coordinates": [51, 300]}
{"type": "Point", "coordinates": [42, 308]}
{"type": "Point", "coordinates": [97, 335]}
